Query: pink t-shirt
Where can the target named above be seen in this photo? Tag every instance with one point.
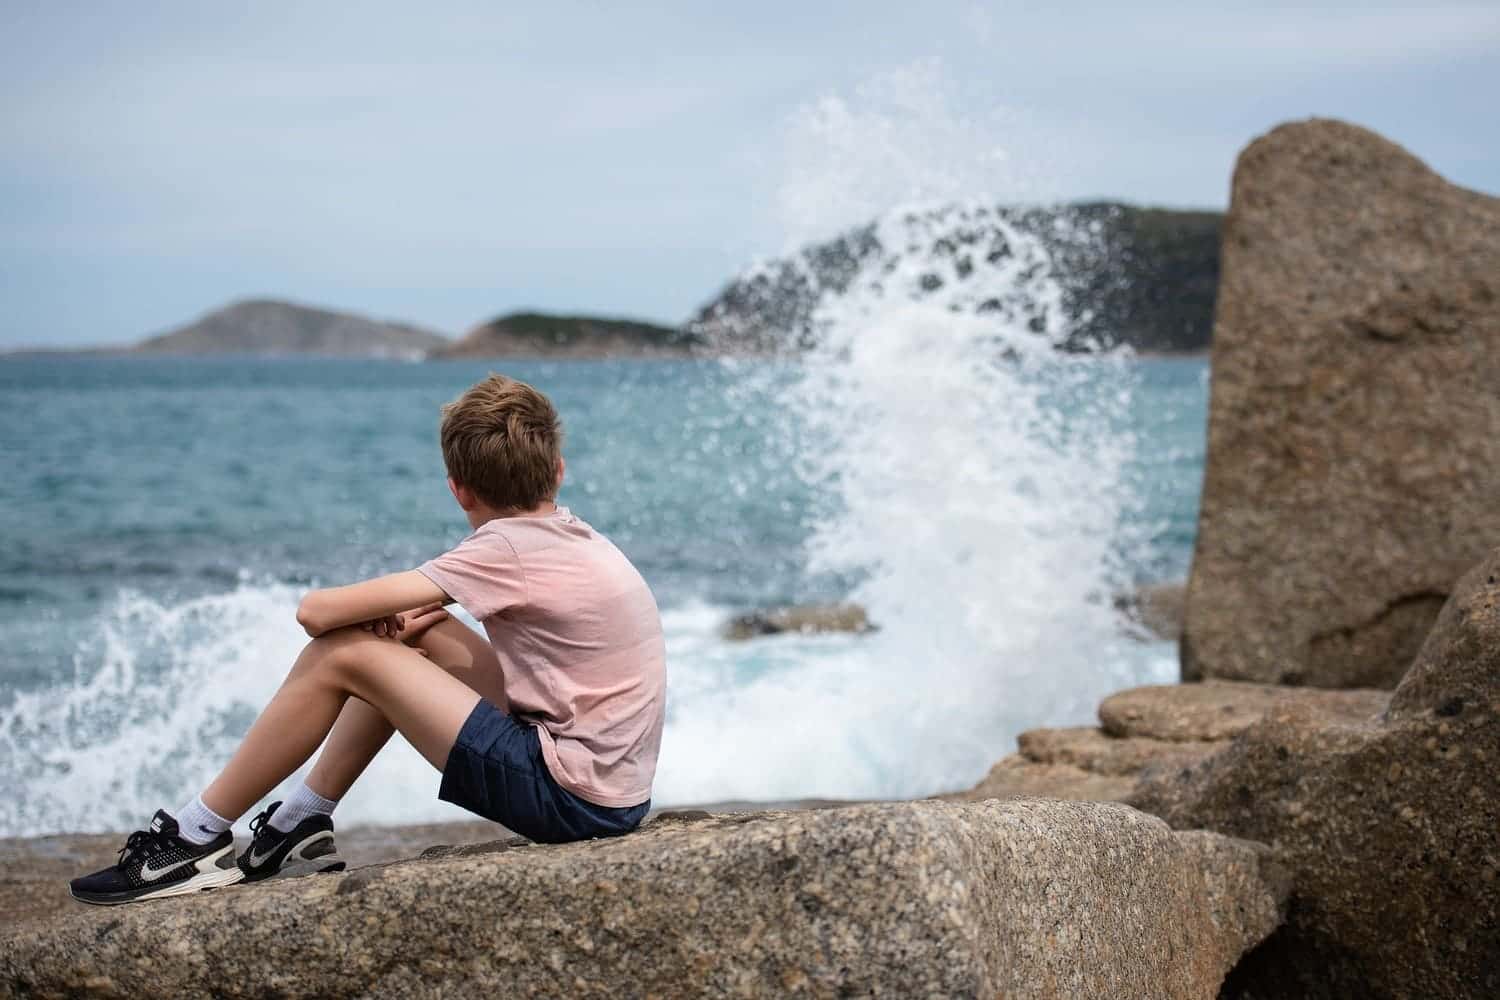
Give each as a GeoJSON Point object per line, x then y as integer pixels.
{"type": "Point", "coordinates": [580, 646]}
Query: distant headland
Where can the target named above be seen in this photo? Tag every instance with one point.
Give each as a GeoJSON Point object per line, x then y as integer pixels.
{"type": "Point", "coordinates": [271, 327]}
{"type": "Point", "coordinates": [1128, 275]}
{"type": "Point", "coordinates": [534, 334]}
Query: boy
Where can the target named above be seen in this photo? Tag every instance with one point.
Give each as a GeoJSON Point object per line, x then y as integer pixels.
{"type": "Point", "coordinates": [551, 728]}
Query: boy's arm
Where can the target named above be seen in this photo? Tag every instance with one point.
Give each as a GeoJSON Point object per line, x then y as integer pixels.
{"type": "Point", "coordinates": [334, 607]}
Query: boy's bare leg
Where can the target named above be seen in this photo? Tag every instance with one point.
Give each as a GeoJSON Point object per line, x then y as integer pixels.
{"type": "Point", "coordinates": [361, 731]}
{"type": "Point", "coordinates": [418, 697]}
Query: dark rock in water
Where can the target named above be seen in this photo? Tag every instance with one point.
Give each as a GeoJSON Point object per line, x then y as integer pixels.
{"type": "Point", "coordinates": [1354, 428]}
{"type": "Point", "coordinates": [1389, 824]}
{"type": "Point", "coordinates": [543, 335]}
{"type": "Point", "coordinates": [268, 327]}
{"type": "Point", "coordinates": [1023, 899]}
{"type": "Point", "coordinates": [806, 618]}
{"type": "Point", "coordinates": [1139, 276]}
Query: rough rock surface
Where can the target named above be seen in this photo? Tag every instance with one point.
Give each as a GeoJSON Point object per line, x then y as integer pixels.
{"type": "Point", "coordinates": [1219, 710]}
{"type": "Point", "coordinates": [1017, 775]}
{"type": "Point", "coordinates": [1354, 426]}
{"type": "Point", "coordinates": [1095, 750]}
{"type": "Point", "coordinates": [1016, 899]}
{"type": "Point", "coordinates": [1390, 825]}
{"type": "Point", "coordinates": [1151, 730]}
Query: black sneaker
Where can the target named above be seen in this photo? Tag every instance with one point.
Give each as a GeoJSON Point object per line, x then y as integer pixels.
{"type": "Point", "coordinates": [157, 862]}
{"type": "Point", "coordinates": [305, 850]}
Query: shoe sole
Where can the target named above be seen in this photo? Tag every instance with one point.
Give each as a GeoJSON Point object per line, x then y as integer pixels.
{"type": "Point", "coordinates": [204, 881]}
{"type": "Point", "coordinates": [296, 864]}
{"type": "Point", "coordinates": [317, 866]}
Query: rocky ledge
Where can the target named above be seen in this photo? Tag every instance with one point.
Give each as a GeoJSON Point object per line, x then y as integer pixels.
{"type": "Point", "coordinates": [1150, 731]}
{"type": "Point", "coordinates": [1020, 898]}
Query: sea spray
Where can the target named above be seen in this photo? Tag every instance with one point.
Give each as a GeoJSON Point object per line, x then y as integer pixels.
{"type": "Point", "coordinates": [161, 697]}
{"type": "Point", "coordinates": [967, 477]}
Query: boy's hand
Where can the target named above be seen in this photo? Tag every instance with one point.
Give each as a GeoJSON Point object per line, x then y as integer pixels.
{"type": "Point", "coordinates": [407, 626]}
{"type": "Point", "coordinates": [385, 628]}
{"type": "Point", "coordinates": [419, 620]}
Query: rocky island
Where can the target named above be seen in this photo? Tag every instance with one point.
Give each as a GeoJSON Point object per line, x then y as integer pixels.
{"type": "Point", "coordinates": [546, 335]}
{"type": "Point", "coordinates": [270, 327]}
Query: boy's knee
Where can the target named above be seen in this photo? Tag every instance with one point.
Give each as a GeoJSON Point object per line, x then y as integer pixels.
{"type": "Point", "coordinates": [336, 652]}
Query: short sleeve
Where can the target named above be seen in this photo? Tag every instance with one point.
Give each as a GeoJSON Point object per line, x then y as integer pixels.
{"type": "Point", "coordinates": [482, 573]}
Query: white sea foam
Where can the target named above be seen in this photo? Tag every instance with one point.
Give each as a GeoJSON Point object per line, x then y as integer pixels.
{"type": "Point", "coordinates": [161, 695]}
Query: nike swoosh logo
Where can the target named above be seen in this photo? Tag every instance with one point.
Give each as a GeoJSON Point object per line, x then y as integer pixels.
{"type": "Point", "coordinates": [149, 874]}
{"type": "Point", "coordinates": [256, 860]}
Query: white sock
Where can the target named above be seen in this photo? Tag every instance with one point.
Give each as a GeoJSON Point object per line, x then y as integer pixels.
{"type": "Point", "coordinates": [304, 802]}
{"type": "Point", "coordinates": [198, 824]}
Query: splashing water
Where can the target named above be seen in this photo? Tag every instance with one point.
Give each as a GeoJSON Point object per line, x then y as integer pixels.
{"type": "Point", "coordinates": [162, 695]}
{"type": "Point", "coordinates": [970, 477]}
{"type": "Point", "coordinates": [971, 481]}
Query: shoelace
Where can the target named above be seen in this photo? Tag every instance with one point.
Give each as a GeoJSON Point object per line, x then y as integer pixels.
{"type": "Point", "coordinates": [258, 824]}
{"type": "Point", "coordinates": [141, 842]}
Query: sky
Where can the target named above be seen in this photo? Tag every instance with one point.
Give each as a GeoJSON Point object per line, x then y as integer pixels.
{"type": "Point", "coordinates": [442, 164]}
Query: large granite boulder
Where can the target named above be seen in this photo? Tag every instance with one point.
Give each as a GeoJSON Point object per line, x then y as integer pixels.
{"type": "Point", "coordinates": [1017, 899]}
{"type": "Point", "coordinates": [1354, 426]}
{"type": "Point", "coordinates": [1390, 824]}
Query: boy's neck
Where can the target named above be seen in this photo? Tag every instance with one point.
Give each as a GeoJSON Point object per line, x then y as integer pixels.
{"type": "Point", "coordinates": [483, 513]}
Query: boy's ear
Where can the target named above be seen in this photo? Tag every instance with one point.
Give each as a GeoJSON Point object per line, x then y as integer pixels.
{"type": "Point", "coordinates": [561, 466]}
{"type": "Point", "coordinates": [462, 494]}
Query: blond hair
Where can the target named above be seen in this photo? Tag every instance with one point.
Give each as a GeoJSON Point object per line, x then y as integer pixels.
{"type": "Point", "coordinates": [502, 439]}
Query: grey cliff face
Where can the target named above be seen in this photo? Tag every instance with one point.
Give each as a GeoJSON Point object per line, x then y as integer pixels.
{"type": "Point", "coordinates": [1354, 422]}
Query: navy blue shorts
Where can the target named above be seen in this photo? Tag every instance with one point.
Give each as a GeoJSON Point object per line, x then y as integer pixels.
{"type": "Point", "coordinates": [496, 769]}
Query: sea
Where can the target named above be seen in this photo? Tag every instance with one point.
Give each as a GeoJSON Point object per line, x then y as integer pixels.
{"type": "Point", "coordinates": [161, 517]}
